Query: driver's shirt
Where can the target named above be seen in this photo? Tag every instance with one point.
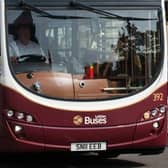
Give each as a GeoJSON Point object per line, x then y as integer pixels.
{"type": "Point", "coordinates": [17, 49]}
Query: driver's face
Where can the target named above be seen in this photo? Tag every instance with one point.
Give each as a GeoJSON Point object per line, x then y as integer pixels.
{"type": "Point", "coordinates": [24, 34]}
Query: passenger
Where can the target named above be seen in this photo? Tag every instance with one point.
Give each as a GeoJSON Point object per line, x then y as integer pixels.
{"type": "Point", "coordinates": [24, 41]}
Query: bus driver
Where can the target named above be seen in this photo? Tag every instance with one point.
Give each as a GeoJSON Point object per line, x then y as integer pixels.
{"type": "Point", "coordinates": [24, 42]}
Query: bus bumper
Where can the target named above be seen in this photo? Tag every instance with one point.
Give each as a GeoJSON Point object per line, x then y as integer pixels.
{"type": "Point", "coordinates": [133, 138]}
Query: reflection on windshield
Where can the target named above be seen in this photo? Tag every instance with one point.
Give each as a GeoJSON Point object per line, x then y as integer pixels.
{"type": "Point", "coordinates": [91, 58]}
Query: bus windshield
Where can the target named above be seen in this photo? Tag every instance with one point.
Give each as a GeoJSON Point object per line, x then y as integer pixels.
{"type": "Point", "coordinates": [83, 54]}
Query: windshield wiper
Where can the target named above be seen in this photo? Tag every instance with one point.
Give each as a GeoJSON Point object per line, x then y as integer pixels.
{"type": "Point", "coordinates": [43, 13]}
{"type": "Point", "coordinates": [79, 5]}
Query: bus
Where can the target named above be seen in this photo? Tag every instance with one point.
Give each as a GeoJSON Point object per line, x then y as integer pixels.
{"type": "Point", "coordinates": [83, 76]}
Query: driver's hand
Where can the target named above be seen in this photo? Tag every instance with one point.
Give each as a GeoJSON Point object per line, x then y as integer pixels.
{"type": "Point", "coordinates": [14, 59]}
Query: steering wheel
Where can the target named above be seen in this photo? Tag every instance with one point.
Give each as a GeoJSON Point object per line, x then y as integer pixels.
{"type": "Point", "coordinates": [31, 58]}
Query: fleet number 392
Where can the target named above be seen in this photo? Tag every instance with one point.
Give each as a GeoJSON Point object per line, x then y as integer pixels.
{"type": "Point", "coordinates": [158, 97]}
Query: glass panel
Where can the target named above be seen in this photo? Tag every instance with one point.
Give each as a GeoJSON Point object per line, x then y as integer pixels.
{"type": "Point", "coordinates": [92, 57]}
{"type": "Point", "coordinates": [0, 41]}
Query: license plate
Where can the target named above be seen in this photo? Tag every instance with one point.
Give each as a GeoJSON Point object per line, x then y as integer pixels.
{"type": "Point", "coordinates": [89, 146]}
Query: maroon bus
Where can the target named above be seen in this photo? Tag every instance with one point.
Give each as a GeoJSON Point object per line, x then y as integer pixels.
{"type": "Point", "coordinates": [83, 76]}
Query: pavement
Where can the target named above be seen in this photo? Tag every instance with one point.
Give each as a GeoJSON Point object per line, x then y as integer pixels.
{"type": "Point", "coordinates": [53, 160]}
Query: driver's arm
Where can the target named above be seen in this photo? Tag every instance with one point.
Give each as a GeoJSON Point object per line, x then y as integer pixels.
{"type": "Point", "coordinates": [13, 51]}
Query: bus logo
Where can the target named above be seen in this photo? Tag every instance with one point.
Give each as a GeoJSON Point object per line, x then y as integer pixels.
{"type": "Point", "coordinates": [78, 120]}
{"type": "Point", "coordinates": [96, 120]}
{"type": "Point", "coordinates": [87, 120]}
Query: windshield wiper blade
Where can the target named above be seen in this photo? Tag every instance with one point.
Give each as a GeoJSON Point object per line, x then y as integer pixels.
{"type": "Point", "coordinates": [43, 13]}
{"type": "Point", "coordinates": [79, 5]}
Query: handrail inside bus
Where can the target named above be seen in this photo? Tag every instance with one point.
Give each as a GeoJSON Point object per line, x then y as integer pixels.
{"type": "Point", "coordinates": [121, 88]}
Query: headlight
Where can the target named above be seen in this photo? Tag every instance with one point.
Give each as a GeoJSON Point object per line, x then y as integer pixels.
{"type": "Point", "coordinates": [29, 118]}
{"type": "Point", "coordinates": [20, 116]}
{"type": "Point", "coordinates": [162, 109]}
{"type": "Point", "coordinates": [18, 128]}
{"type": "Point", "coordinates": [155, 125]}
{"type": "Point", "coordinates": [10, 113]}
{"type": "Point", "coordinates": [154, 112]}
